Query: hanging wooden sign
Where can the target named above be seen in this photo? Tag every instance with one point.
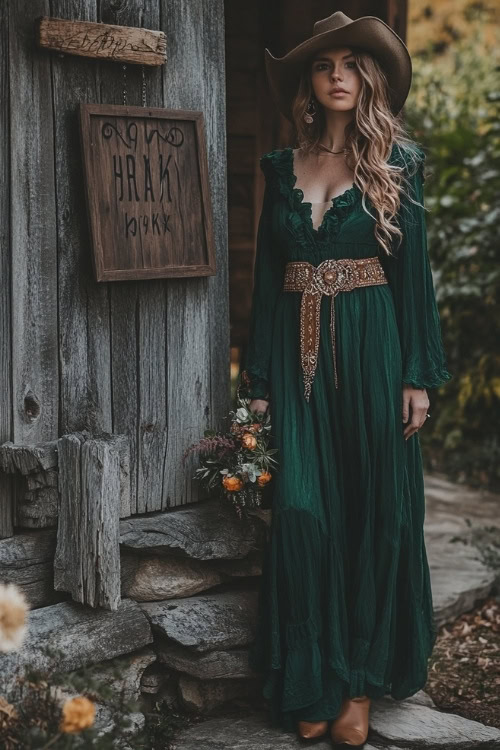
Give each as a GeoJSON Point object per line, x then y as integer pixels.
{"type": "Point", "coordinates": [147, 192]}
{"type": "Point", "coordinates": [127, 44]}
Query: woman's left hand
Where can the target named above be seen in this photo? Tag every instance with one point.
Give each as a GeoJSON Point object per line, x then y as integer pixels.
{"type": "Point", "coordinates": [415, 404]}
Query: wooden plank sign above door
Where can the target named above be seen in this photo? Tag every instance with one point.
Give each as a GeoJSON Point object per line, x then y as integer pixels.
{"type": "Point", "coordinates": [126, 44]}
{"type": "Point", "coordinates": [147, 190]}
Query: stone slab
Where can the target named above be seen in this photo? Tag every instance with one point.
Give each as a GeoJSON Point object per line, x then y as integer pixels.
{"type": "Point", "coordinates": [203, 532]}
{"type": "Point", "coordinates": [206, 622]}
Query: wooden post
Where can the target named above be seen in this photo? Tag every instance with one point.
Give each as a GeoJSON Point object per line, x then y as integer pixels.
{"type": "Point", "coordinates": [87, 559]}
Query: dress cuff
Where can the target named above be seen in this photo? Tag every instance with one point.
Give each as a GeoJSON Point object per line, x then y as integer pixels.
{"type": "Point", "coordinates": [254, 386]}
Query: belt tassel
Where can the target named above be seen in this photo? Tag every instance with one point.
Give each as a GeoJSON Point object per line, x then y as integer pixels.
{"type": "Point", "coordinates": [332, 333]}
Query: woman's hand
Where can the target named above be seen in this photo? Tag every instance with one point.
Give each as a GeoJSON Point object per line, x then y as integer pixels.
{"type": "Point", "coordinates": [416, 402]}
{"type": "Point", "coordinates": [258, 405]}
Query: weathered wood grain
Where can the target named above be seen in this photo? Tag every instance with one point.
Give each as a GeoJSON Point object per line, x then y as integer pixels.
{"type": "Point", "coordinates": [6, 490]}
{"type": "Point", "coordinates": [98, 40]}
{"type": "Point", "coordinates": [83, 307]}
{"type": "Point", "coordinates": [138, 309]}
{"type": "Point", "coordinates": [77, 636]}
{"type": "Point", "coordinates": [37, 509]}
{"type": "Point", "coordinates": [29, 458]}
{"type": "Point", "coordinates": [34, 375]}
{"type": "Point", "coordinates": [86, 356]}
{"type": "Point", "coordinates": [28, 561]}
{"type": "Point", "coordinates": [87, 559]}
{"type": "Point", "coordinates": [197, 306]}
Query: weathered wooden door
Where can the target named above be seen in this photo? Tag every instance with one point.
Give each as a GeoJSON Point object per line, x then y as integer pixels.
{"type": "Point", "coordinates": [146, 359]}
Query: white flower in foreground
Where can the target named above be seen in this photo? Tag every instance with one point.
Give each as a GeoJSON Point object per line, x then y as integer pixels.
{"type": "Point", "coordinates": [13, 611]}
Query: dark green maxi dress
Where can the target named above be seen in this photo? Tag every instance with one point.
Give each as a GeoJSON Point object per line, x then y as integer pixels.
{"type": "Point", "coordinates": [345, 603]}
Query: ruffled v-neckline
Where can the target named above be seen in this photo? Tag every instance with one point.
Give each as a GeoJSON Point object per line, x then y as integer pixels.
{"type": "Point", "coordinates": [339, 205]}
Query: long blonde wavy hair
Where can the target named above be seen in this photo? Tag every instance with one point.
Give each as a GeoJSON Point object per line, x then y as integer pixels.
{"type": "Point", "coordinates": [370, 136]}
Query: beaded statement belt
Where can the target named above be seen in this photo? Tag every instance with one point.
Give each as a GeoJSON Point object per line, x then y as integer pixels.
{"type": "Point", "coordinates": [330, 278]}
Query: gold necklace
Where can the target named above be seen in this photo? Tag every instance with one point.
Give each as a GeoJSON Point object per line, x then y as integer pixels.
{"type": "Point", "coordinates": [344, 150]}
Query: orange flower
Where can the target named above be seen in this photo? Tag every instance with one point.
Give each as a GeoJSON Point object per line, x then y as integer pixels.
{"type": "Point", "coordinates": [255, 427]}
{"type": "Point", "coordinates": [78, 714]}
{"type": "Point", "coordinates": [233, 484]}
{"type": "Point", "coordinates": [264, 478]}
{"type": "Point", "coordinates": [249, 441]}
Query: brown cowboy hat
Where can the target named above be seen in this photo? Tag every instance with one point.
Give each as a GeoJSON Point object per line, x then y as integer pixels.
{"type": "Point", "coordinates": [368, 33]}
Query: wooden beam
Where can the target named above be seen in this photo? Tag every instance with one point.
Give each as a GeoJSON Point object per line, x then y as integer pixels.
{"type": "Point", "coordinates": [126, 44]}
{"type": "Point", "coordinates": [87, 560]}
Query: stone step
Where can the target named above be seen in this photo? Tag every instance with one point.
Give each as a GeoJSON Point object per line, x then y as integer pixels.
{"type": "Point", "coordinates": [394, 725]}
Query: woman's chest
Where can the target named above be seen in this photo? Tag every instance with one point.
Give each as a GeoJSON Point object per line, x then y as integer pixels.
{"type": "Point", "coordinates": [345, 222]}
{"type": "Point", "coordinates": [321, 179]}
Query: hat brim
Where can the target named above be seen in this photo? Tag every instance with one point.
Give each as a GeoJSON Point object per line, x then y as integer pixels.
{"type": "Point", "coordinates": [368, 33]}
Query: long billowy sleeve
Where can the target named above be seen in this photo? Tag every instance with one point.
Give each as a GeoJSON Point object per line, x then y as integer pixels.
{"type": "Point", "coordinates": [410, 279]}
{"type": "Point", "coordinates": [267, 285]}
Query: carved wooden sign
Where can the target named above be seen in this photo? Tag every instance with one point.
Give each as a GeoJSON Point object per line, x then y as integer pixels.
{"type": "Point", "coordinates": [103, 41]}
{"type": "Point", "coordinates": [147, 192]}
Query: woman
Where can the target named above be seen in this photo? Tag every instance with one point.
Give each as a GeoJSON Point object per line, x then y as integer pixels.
{"type": "Point", "coordinates": [345, 608]}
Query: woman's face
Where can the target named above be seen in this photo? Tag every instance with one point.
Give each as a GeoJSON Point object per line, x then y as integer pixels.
{"type": "Point", "coordinates": [335, 68]}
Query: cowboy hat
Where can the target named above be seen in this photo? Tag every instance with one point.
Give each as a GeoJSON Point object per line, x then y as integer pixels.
{"type": "Point", "coordinates": [368, 33]}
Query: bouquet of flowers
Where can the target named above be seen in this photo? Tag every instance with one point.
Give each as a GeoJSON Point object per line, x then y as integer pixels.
{"type": "Point", "coordinates": [238, 463]}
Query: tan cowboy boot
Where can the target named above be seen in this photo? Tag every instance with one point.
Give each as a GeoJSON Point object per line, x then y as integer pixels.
{"type": "Point", "coordinates": [312, 729]}
{"type": "Point", "coordinates": [351, 725]}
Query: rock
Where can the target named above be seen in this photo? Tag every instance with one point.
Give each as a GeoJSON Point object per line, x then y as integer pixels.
{"type": "Point", "coordinates": [168, 693]}
{"type": "Point", "coordinates": [410, 725]}
{"type": "Point", "coordinates": [152, 680]}
{"type": "Point", "coordinates": [206, 531]}
{"type": "Point", "coordinates": [448, 505]}
{"type": "Point", "coordinates": [77, 636]}
{"type": "Point", "coordinates": [157, 578]}
{"type": "Point", "coordinates": [124, 674]}
{"type": "Point", "coordinates": [405, 726]}
{"type": "Point", "coordinates": [205, 696]}
{"type": "Point", "coordinates": [251, 565]}
{"type": "Point", "coordinates": [251, 732]}
{"type": "Point", "coordinates": [231, 664]}
{"type": "Point", "coordinates": [421, 697]}
{"type": "Point", "coordinates": [104, 722]}
{"type": "Point", "coordinates": [206, 622]}
{"type": "Point", "coordinates": [458, 577]}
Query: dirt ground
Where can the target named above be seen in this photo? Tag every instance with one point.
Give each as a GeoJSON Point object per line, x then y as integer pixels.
{"type": "Point", "coordinates": [464, 670]}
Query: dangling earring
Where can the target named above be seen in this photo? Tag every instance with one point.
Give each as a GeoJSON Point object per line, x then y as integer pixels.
{"type": "Point", "coordinates": [310, 112]}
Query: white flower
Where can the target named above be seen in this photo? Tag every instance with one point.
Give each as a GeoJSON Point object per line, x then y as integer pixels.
{"type": "Point", "coordinates": [13, 611]}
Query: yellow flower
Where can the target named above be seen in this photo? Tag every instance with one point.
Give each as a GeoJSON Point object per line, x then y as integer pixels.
{"type": "Point", "coordinates": [13, 610]}
{"type": "Point", "coordinates": [263, 478]}
{"type": "Point", "coordinates": [78, 714]}
{"type": "Point", "coordinates": [232, 484]}
{"type": "Point", "coordinates": [249, 441]}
